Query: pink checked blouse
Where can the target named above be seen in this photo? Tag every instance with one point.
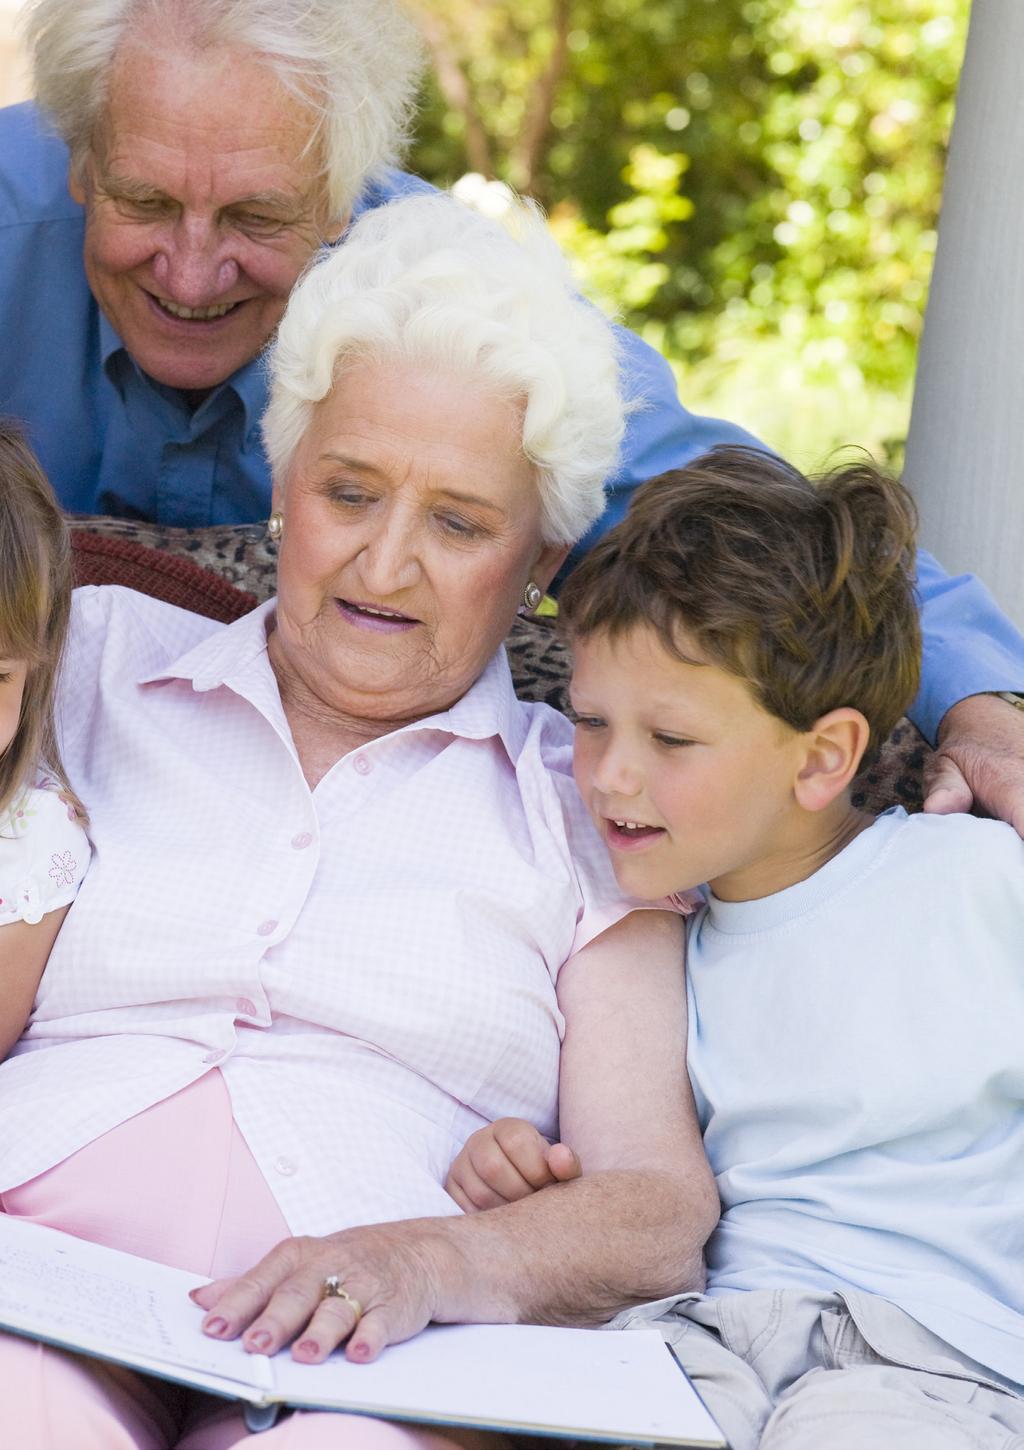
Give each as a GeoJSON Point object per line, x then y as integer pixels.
{"type": "Point", "coordinates": [371, 964]}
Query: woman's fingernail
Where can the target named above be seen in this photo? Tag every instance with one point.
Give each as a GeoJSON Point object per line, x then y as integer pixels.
{"type": "Point", "coordinates": [259, 1340]}
{"type": "Point", "coordinates": [309, 1346]}
{"type": "Point", "coordinates": [215, 1326]}
{"type": "Point", "coordinates": [360, 1350]}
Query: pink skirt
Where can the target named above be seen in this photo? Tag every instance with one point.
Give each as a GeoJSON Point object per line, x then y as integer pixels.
{"type": "Point", "coordinates": [177, 1184]}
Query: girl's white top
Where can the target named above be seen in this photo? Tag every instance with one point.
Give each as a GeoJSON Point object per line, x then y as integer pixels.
{"type": "Point", "coordinates": [44, 853]}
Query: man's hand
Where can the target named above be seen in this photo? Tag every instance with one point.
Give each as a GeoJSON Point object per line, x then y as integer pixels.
{"type": "Point", "coordinates": [979, 761]}
{"type": "Point", "coordinates": [506, 1161]}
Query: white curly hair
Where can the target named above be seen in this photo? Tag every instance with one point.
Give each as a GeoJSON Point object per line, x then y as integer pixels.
{"type": "Point", "coordinates": [426, 279]}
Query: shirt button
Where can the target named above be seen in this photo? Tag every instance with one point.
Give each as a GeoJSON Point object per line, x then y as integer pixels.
{"type": "Point", "coordinates": [285, 1166]}
{"type": "Point", "coordinates": [267, 928]}
{"type": "Point", "coordinates": [363, 765]}
{"type": "Point", "coordinates": [301, 841]}
{"type": "Point", "coordinates": [245, 1008]}
{"type": "Point", "coordinates": [214, 1056]}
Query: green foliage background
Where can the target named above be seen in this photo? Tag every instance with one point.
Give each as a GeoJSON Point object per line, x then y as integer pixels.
{"type": "Point", "coordinates": [751, 184]}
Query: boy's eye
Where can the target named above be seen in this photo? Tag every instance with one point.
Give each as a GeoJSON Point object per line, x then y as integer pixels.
{"type": "Point", "coordinates": [671, 741]}
{"type": "Point", "coordinates": [587, 722]}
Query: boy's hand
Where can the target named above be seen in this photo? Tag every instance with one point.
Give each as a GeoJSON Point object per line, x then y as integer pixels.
{"type": "Point", "coordinates": [507, 1161]}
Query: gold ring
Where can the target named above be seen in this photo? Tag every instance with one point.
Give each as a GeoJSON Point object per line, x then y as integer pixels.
{"type": "Point", "coordinates": [335, 1289]}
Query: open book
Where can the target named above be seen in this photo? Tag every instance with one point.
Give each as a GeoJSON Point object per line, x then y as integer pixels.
{"type": "Point", "coordinates": [602, 1385]}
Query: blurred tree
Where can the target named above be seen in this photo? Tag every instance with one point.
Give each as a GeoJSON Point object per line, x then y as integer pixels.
{"type": "Point", "coordinates": [729, 174]}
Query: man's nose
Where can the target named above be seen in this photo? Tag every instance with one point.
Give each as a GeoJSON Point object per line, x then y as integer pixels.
{"type": "Point", "coordinates": [194, 265]}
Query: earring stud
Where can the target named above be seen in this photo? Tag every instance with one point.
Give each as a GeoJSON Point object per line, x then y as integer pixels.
{"type": "Point", "coordinates": [532, 595]}
{"type": "Point", "coordinates": [275, 525]}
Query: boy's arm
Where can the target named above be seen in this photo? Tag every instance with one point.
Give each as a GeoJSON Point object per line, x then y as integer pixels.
{"type": "Point", "coordinates": [24, 952]}
{"type": "Point", "coordinates": [506, 1161]}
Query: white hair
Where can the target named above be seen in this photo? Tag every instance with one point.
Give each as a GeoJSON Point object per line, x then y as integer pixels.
{"type": "Point", "coordinates": [425, 279]}
{"type": "Point", "coordinates": [357, 63]}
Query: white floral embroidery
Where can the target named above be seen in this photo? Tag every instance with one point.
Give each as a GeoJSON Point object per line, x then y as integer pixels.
{"type": "Point", "coordinates": [63, 867]}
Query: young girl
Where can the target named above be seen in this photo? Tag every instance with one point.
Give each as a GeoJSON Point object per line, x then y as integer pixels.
{"type": "Point", "coordinates": [43, 847]}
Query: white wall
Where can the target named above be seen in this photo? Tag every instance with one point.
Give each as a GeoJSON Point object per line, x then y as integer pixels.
{"type": "Point", "coordinates": [965, 452]}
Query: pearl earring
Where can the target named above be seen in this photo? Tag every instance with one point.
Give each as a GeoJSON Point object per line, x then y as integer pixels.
{"type": "Point", "coordinates": [532, 596]}
{"type": "Point", "coordinates": [275, 525]}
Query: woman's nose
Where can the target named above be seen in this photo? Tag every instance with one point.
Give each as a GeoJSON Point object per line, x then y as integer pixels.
{"type": "Point", "coordinates": [389, 561]}
{"type": "Point", "coordinates": [193, 265]}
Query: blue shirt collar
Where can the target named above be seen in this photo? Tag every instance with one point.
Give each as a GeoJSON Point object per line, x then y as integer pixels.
{"type": "Point", "coordinates": [248, 383]}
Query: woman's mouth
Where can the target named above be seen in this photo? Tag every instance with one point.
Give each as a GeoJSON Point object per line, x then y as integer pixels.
{"type": "Point", "coordinates": [375, 617]}
{"type": "Point", "coordinates": [626, 835]}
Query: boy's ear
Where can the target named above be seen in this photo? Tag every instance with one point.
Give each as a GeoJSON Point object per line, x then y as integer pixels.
{"type": "Point", "coordinates": [835, 744]}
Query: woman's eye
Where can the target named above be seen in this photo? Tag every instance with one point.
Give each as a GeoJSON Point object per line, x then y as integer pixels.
{"type": "Point", "coordinates": [460, 527]}
{"type": "Point", "coordinates": [351, 497]}
{"type": "Point", "coordinates": [671, 741]}
{"type": "Point", "coordinates": [588, 722]}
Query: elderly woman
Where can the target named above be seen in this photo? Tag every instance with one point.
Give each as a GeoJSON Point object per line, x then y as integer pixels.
{"type": "Point", "coordinates": [345, 906]}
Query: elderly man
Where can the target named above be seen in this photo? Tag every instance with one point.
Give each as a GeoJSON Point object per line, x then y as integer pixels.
{"type": "Point", "coordinates": [201, 152]}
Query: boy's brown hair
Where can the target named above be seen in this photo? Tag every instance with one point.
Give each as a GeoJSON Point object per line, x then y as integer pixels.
{"type": "Point", "coordinates": [35, 605]}
{"type": "Point", "coordinates": [803, 589]}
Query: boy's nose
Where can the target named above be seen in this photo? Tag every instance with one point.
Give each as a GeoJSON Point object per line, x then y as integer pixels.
{"type": "Point", "coordinates": [615, 775]}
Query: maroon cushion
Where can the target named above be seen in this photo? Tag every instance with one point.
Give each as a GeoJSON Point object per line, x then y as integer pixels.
{"type": "Point", "coordinates": [103, 559]}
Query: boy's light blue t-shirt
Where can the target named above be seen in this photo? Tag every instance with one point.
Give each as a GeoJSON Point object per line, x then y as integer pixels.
{"type": "Point", "coordinates": [856, 1047]}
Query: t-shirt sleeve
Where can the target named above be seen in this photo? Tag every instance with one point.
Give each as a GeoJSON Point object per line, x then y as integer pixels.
{"type": "Point", "coordinates": [44, 854]}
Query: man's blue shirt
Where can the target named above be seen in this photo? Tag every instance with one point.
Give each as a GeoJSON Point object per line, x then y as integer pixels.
{"type": "Point", "coordinates": [113, 441]}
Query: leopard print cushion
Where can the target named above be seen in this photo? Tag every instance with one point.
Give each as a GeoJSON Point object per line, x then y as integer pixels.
{"type": "Point", "coordinates": [246, 558]}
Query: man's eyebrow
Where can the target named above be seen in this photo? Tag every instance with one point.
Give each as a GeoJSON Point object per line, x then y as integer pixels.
{"type": "Point", "coordinates": [362, 465]}
{"type": "Point", "coordinates": [278, 201]}
{"type": "Point", "coordinates": [128, 187]}
{"type": "Point", "coordinates": [131, 189]}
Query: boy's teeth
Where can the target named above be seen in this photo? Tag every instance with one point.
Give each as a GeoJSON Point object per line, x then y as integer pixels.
{"type": "Point", "coordinates": [631, 825]}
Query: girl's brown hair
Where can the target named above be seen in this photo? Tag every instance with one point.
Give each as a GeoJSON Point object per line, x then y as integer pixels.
{"type": "Point", "coordinates": [35, 607]}
{"type": "Point", "coordinates": [803, 589]}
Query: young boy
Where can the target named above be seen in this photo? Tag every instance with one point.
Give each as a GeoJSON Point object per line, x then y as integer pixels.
{"type": "Point", "coordinates": [742, 643]}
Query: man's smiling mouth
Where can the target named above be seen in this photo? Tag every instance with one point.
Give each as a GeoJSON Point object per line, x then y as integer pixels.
{"type": "Point", "coordinates": [194, 314]}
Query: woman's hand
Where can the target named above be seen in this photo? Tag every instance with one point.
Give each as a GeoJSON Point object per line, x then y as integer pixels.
{"type": "Point", "coordinates": [507, 1161]}
{"type": "Point", "coordinates": [390, 1270]}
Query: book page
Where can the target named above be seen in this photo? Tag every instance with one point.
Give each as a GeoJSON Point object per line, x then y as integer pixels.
{"type": "Point", "coordinates": [84, 1296]}
{"type": "Point", "coordinates": [595, 1384]}
{"type": "Point", "coordinates": [590, 1384]}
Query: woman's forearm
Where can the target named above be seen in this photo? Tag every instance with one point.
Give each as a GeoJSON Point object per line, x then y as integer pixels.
{"type": "Point", "coordinates": [575, 1253]}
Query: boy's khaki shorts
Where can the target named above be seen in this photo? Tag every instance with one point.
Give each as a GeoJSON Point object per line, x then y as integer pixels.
{"type": "Point", "coordinates": [792, 1370]}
